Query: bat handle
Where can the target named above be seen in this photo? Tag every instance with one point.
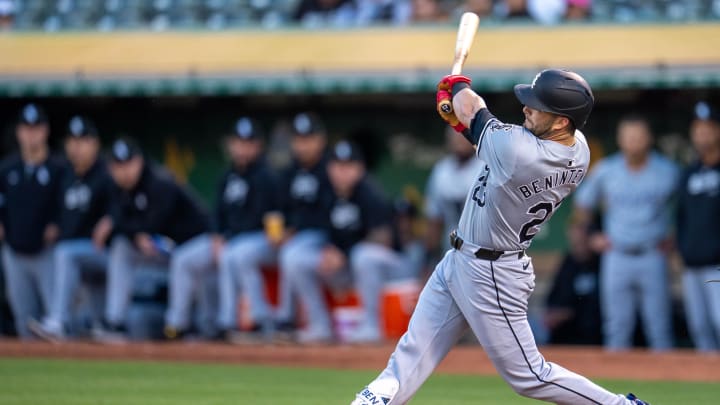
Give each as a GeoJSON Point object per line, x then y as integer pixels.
{"type": "Point", "coordinates": [457, 68]}
{"type": "Point", "coordinates": [458, 63]}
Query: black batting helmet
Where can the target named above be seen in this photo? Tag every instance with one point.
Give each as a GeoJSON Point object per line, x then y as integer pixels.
{"type": "Point", "coordinates": [559, 92]}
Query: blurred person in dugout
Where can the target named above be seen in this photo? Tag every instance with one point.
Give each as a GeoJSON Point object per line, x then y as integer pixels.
{"type": "Point", "coordinates": [305, 198]}
{"type": "Point", "coordinates": [447, 188]}
{"type": "Point", "coordinates": [246, 197]}
{"type": "Point", "coordinates": [572, 314]}
{"type": "Point", "coordinates": [29, 195]}
{"type": "Point", "coordinates": [85, 189]}
{"type": "Point", "coordinates": [155, 221]}
{"type": "Point", "coordinates": [698, 219]}
{"type": "Point", "coordinates": [364, 238]}
{"type": "Point", "coordinates": [634, 187]}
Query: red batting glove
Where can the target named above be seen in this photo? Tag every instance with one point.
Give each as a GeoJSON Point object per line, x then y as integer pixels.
{"type": "Point", "coordinates": [447, 82]}
{"type": "Point", "coordinates": [444, 108]}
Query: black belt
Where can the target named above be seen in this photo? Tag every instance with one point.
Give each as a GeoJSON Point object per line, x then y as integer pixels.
{"type": "Point", "coordinates": [484, 254]}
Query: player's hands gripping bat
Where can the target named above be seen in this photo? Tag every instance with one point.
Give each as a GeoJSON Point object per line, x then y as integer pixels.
{"type": "Point", "coordinates": [466, 34]}
{"type": "Point", "coordinates": [444, 100]}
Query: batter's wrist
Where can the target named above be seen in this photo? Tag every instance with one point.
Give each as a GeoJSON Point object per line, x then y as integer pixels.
{"type": "Point", "coordinates": [458, 87]}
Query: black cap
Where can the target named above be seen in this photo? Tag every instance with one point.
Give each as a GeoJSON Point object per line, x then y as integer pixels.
{"type": "Point", "coordinates": [80, 126]}
{"type": "Point", "coordinates": [124, 149]}
{"type": "Point", "coordinates": [704, 111]}
{"type": "Point", "coordinates": [346, 151]}
{"type": "Point", "coordinates": [308, 124]}
{"type": "Point", "coordinates": [32, 114]}
{"type": "Point", "coordinates": [247, 129]}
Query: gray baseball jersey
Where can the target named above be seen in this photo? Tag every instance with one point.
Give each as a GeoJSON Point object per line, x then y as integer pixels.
{"type": "Point", "coordinates": [523, 181]}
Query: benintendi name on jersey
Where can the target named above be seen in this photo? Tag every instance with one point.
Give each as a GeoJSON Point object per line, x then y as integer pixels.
{"type": "Point", "coordinates": [569, 176]}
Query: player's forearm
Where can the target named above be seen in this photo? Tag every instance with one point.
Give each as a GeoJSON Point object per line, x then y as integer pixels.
{"type": "Point", "coordinates": [466, 103]}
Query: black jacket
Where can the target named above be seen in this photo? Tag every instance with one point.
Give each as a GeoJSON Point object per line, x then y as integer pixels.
{"type": "Point", "coordinates": [698, 215]}
{"type": "Point", "coordinates": [353, 218]}
{"type": "Point", "coordinates": [29, 199]}
{"type": "Point", "coordinates": [84, 200]}
{"type": "Point", "coordinates": [306, 196]}
{"type": "Point", "coordinates": [243, 198]}
{"type": "Point", "coordinates": [158, 206]}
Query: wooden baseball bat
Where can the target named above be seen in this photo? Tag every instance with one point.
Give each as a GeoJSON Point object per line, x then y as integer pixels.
{"type": "Point", "coordinates": [465, 36]}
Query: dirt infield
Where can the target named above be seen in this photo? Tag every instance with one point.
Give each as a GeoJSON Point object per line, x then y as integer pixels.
{"type": "Point", "coordinates": [593, 362]}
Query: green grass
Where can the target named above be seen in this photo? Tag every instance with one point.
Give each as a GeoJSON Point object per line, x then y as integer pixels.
{"type": "Point", "coordinates": [72, 382]}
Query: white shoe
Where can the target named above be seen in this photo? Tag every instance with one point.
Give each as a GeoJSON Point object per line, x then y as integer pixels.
{"type": "Point", "coordinates": [47, 330]}
{"type": "Point", "coordinates": [378, 392]}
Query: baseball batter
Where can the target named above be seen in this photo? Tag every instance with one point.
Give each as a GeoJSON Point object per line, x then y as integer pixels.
{"type": "Point", "coordinates": [484, 282]}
